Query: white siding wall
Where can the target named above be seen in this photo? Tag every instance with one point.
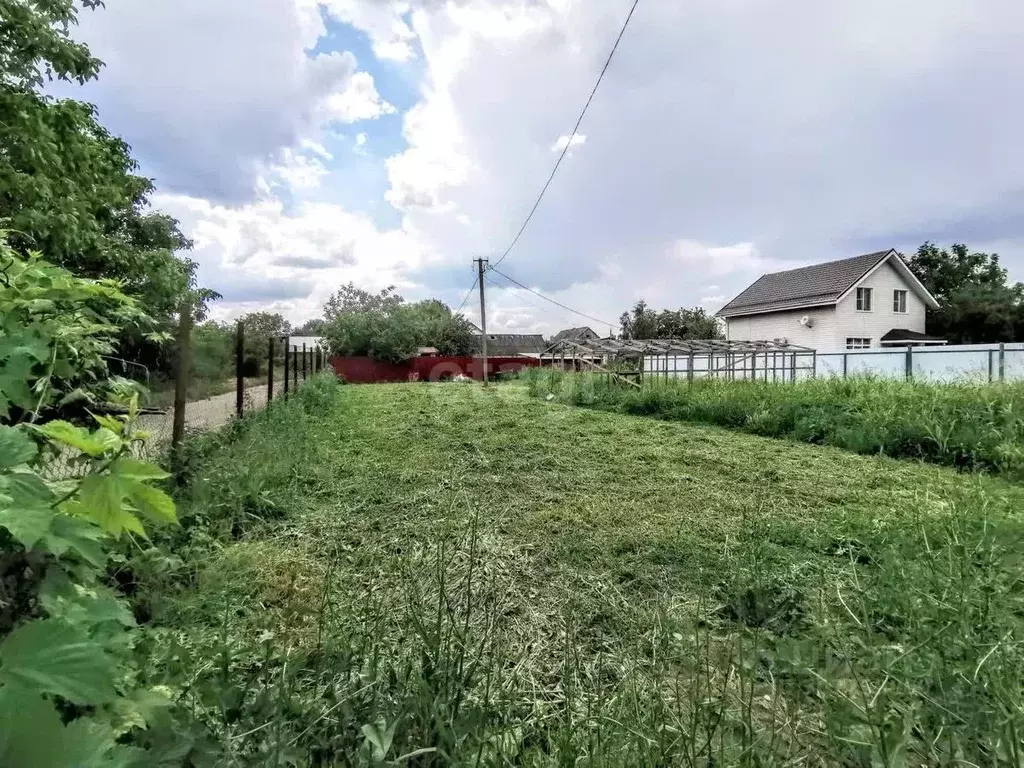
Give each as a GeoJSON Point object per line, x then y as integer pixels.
{"type": "Point", "coordinates": [881, 319]}
{"type": "Point", "coordinates": [786, 325]}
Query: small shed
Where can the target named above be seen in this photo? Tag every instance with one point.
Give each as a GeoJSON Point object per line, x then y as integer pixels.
{"type": "Point", "coordinates": [637, 359]}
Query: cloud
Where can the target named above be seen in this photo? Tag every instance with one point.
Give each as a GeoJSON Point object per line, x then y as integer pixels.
{"type": "Point", "coordinates": [564, 141]}
{"type": "Point", "coordinates": [700, 171]}
{"type": "Point", "coordinates": [382, 20]}
{"type": "Point", "coordinates": [712, 168]}
{"type": "Point", "coordinates": [265, 251]}
{"type": "Point", "coordinates": [209, 93]}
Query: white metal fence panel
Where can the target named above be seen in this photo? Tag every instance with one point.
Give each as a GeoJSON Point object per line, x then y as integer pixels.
{"type": "Point", "coordinates": [968, 362]}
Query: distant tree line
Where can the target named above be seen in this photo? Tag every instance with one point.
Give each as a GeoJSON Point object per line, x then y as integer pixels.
{"type": "Point", "coordinates": [977, 302]}
{"type": "Point", "coordinates": [642, 322]}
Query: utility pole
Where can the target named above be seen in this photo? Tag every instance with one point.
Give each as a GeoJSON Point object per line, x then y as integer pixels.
{"type": "Point", "coordinates": [483, 313]}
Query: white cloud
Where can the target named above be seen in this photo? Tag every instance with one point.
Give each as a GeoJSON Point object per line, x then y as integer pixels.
{"type": "Point", "coordinates": [382, 20]}
{"type": "Point", "coordinates": [564, 141]}
{"type": "Point", "coordinates": [205, 119]}
{"type": "Point", "coordinates": [263, 251]}
{"type": "Point", "coordinates": [357, 100]}
{"type": "Point", "coordinates": [700, 173]}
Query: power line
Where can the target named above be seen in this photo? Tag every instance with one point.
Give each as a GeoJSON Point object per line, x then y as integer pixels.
{"type": "Point", "coordinates": [572, 135]}
{"type": "Point", "coordinates": [468, 294]}
{"type": "Point", "coordinates": [556, 303]}
{"type": "Point", "coordinates": [536, 305]}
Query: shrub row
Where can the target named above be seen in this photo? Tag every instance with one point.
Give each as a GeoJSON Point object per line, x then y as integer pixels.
{"type": "Point", "coordinates": [970, 427]}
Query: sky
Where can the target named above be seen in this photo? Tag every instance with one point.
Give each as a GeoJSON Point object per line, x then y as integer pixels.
{"type": "Point", "coordinates": [304, 144]}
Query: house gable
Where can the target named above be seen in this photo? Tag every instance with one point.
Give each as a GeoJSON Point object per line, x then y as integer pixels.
{"type": "Point", "coordinates": [819, 285]}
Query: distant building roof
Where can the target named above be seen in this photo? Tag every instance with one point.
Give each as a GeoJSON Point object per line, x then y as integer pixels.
{"type": "Point", "coordinates": [510, 344]}
{"type": "Point", "coordinates": [583, 332]}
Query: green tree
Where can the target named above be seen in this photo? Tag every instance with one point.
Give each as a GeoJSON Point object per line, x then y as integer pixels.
{"type": "Point", "coordinates": [385, 327]}
{"type": "Point", "coordinates": [69, 188]}
{"type": "Point", "coordinates": [646, 323]}
{"type": "Point", "coordinates": [977, 303]}
{"type": "Point", "coordinates": [350, 298]}
{"type": "Point", "coordinates": [314, 327]}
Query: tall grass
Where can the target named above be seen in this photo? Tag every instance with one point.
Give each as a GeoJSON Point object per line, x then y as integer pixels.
{"type": "Point", "coordinates": [966, 426]}
{"type": "Point", "coordinates": [293, 644]}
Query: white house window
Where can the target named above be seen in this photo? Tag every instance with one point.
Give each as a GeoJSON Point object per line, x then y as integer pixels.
{"type": "Point", "coordinates": [856, 342]}
{"type": "Point", "coordinates": [864, 299]}
{"type": "Point", "coordinates": [899, 302]}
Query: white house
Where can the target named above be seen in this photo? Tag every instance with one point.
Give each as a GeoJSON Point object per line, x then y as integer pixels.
{"type": "Point", "coordinates": [865, 302]}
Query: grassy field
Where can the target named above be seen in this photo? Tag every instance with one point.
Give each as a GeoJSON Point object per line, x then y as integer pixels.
{"type": "Point", "coordinates": [441, 574]}
{"type": "Point", "coordinates": [968, 426]}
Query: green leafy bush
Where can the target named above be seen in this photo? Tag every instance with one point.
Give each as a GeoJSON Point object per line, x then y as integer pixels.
{"type": "Point", "coordinates": [68, 694]}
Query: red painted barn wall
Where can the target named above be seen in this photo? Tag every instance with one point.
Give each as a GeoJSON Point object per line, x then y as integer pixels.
{"type": "Point", "coordinates": [365, 370]}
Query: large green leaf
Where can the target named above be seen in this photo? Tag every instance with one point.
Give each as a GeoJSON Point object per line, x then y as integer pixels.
{"type": "Point", "coordinates": [28, 525]}
{"type": "Point", "coordinates": [25, 507]}
{"type": "Point", "coordinates": [101, 499]}
{"type": "Point", "coordinates": [30, 730]}
{"type": "Point", "coordinates": [92, 444]}
{"type": "Point", "coordinates": [151, 501]}
{"type": "Point", "coordinates": [24, 488]}
{"type": "Point", "coordinates": [73, 535]}
{"type": "Point", "coordinates": [52, 656]}
{"type": "Point", "coordinates": [15, 447]}
{"type": "Point", "coordinates": [86, 606]}
{"type": "Point", "coordinates": [138, 470]}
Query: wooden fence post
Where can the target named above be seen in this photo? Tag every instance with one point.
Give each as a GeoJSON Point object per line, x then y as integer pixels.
{"type": "Point", "coordinates": [239, 365]}
{"type": "Point", "coordinates": [270, 370]}
{"type": "Point", "coordinates": [181, 373]}
{"type": "Point", "coordinates": [287, 368]}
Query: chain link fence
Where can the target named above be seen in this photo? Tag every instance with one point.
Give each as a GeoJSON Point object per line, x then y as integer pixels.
{"type": "Point", "coordinates": [211, 384]}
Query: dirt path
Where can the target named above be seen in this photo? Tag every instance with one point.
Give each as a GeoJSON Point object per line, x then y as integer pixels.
{"type": "Point", "coordinates": [210, 413]}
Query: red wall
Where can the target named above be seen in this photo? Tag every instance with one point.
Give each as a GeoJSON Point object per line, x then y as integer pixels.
{"type": "Point", "coordinates": [366, 370]}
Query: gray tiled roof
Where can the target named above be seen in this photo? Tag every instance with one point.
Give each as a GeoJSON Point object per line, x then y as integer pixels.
{"type": "Point", "coordinates": [806, 286]}
{"type": "Point", "coordinates": [510, 344]}
{"type": "Point", "coordinates": [574, 333]}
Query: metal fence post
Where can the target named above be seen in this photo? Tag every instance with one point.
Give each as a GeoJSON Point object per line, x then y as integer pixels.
{"type": "Point", "coordinates": [239, 365]}
{"type": "Point", "coordinates": [287, 343]}
{"type": "Point", "coordinates": [814, 364]}
{"type": "Point", "coordinates": [910, 363]}
{"type": "Point", "coordinates": [295, 367]}
{"type": "Point", "coordinates": [303, 361]}
{"type": "Point", "coordinates": [1002, 361]}
{"type": "Point", "coordinates": [846, 357]}
{"type": "Point", "coordinates": [270, 370]}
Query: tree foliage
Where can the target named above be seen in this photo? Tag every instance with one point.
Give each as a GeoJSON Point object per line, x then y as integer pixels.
{"type": "Point", "coordinates": [977, 303]}
{"type": "Point", "coordinates": [56, 332]}
{"type": "Point", "coordinates": [385, 327]}
{"type": "Point", "coordinates": [646, 323]}
{"type": "Point", "coordinates": [68, 188]}
{"type": "Point", "coordinates": [351, 299]}
{"type": "Point", "coordinates": [314, 327]}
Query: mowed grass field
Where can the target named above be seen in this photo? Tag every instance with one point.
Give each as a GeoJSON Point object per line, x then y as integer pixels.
{"type": "Point", "coordinates": [443, 574]}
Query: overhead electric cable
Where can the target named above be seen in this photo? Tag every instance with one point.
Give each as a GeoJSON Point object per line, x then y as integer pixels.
{"type": "Point", "coordinates": [553, 301]}
{"type": "Point", "coordinates": [468, 294]}
{"type": "Point", "coordinates": [572, 135]}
